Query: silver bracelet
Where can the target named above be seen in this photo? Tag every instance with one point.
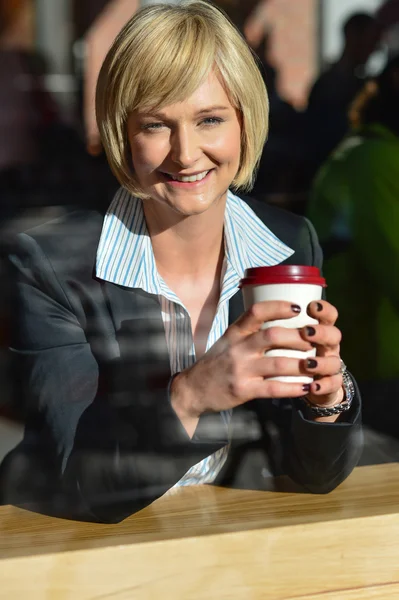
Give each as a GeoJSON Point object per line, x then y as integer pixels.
{"type": "Point", "coordinates": [349, 393]}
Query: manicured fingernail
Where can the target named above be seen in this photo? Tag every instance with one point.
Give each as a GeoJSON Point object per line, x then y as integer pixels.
{"type": "Point", "coordinates": [319, 307]}
{"type": "Point", "coordinates": [306, 387]}
{"type": "Point", "coordinates": [311, 363]}
{"type": "Point", "coordinates": [310, 331]}
{"type": "Point", "coordinates": [295, 308]}
{"type": "Point", "coordinates": [317, 386]}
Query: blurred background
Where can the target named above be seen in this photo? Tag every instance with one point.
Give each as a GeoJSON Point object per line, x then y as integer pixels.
{"type": "Point", "coordinates": [317, 57]}
{"type": "Point", "coordinates": [51, 53]}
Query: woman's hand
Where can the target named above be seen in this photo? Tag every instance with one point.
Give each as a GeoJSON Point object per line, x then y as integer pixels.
{"type": "Point", "coordinates": [327, 388]}
{"type": "Point", "coordinates": [236, 370]}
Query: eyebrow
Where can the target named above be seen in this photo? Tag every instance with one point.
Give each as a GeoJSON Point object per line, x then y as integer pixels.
{"type": "Point", "coordinates": [202, 111]}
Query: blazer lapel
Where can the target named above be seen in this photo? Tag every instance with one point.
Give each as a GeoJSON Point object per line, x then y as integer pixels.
{"type": "Point", "coordinates": [236, 307]}
{"type": "Point", "coordinates": [140, 333]}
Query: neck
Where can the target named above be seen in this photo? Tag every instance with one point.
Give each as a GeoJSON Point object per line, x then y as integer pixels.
{"type": "Point", "coordinates": [190, 246]}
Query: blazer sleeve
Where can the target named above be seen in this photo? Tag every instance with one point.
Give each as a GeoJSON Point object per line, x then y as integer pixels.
{"type": "Point", "coordinates": [92, 450]}
{"type": "Point", "coordinates": [319, 456]}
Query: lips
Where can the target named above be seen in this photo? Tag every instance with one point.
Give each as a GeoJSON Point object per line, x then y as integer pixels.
{"type": "Point", "coordinates": [189, 178]}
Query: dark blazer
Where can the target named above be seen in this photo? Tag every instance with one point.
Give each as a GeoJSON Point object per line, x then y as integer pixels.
{"type": "Point", "coordinates": [92, 371]}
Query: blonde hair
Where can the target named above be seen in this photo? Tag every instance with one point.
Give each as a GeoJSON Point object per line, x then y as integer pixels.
{"type": "Point", "coordinates": [161, 57]}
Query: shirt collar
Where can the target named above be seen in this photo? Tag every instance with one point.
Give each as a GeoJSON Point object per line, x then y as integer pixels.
{"type": "Point", "coordinates": [125, 256]}
{"type": "Point", "coordinates": [249, 242]}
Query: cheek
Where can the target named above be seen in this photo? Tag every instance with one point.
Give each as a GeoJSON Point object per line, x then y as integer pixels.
{"type": "Point", "coordinates": [232, 146]}
{"type": "Point", "coordinates": [227, 147]}
{"type": "Point", "coordinates": [147, 154]}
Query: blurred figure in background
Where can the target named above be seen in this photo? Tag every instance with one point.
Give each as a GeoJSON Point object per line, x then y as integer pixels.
{"type": "Point", "coordinates": [17, 118]}
{"type": "Point", "coordinates": [43, 161]}
{"type": "Point", "coordinates": [388, 18]}
{"type": "Point", "coordinates": [355, 209]}
{"type": "Point", "coordinates": [98, 41]}
{"type": "Point", "coordinates": [283, 153]}
{"type": "Point", "coordinates": [335, 89]}
{"type": "Point", "coordinates": [26, 109]}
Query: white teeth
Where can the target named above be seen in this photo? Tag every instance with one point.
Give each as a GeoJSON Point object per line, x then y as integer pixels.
{"type": "Point", "coordinates": [192, 178]}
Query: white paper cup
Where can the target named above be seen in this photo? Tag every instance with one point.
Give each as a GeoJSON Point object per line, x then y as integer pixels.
{"type": "Point", "coordinates": [294, 283]}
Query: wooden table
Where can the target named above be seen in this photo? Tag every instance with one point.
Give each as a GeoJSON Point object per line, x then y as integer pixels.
{"type": "Point", "coordinates": [206, 542]}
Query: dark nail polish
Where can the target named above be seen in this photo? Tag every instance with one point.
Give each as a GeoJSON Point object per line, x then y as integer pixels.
{"type": "Point", "coordinates": [319, 307]}
{"type": "Point", "coordinates": [306, 387]}
{"type": "Point", "coordinates": [317, 386]}
{"type": "Point", "coordinates": [310, 331]}
{"type": "Point", "coordinates": [295, 308]}
{"type": "Point", "coordinates": [311, 363]}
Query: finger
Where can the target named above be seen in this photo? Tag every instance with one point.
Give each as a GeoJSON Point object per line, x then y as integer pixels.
{"type": "Point", "coordinates": [325, 389]}
{"type": "Point", "coordinates": [266, 388]}
{"type": "Point", "coordinates": [261, 312]}
{"type": "Point", "coordinates": [328, 336]}
{"type": "Point", "coordinates": [322, 366]}
{"type": "Point", "coordinates": [274, 366]}
{"type": "Point", "coordinates": [323, 311]}
{"type": "Point", "coordinates": [275, 338]}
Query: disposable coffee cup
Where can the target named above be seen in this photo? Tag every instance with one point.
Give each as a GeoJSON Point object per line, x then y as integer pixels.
{"type": "Point", "coordinates": [294, 283]}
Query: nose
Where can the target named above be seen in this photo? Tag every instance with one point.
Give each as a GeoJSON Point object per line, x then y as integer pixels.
{"type": "Point", "coordinates": [185, 148]}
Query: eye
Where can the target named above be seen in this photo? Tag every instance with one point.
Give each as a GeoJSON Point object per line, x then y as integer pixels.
{"type": "Point", "coordinates": [152, 127]}
{"type": "Point", "coordinates": [211, 121]}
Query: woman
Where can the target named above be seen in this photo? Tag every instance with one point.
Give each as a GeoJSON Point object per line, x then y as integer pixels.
{"type": "Point", "coordinates": [355, 210]}
{"type": "Point", "coordinates": [131, 336]}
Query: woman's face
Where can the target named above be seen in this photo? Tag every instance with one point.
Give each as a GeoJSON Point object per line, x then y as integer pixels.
{"type": "Point", "coordinates": [186, 155]}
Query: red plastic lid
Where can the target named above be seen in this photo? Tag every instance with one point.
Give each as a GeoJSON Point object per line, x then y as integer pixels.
{"type": "Point", "coordinates": [283, 274]}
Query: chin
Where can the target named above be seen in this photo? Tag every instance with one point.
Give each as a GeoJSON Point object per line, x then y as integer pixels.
{"type": "Point", "coordinates": [190, 209]}
{"type": "Point", "coordinates": [189, 205]}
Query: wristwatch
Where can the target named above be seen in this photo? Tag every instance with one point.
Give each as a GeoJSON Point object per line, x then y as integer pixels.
{"type": "Point", "coordinates": [349, 393]}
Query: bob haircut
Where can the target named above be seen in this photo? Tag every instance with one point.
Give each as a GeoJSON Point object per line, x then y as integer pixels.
{"type": "Point", "coordinates": [161, 56]}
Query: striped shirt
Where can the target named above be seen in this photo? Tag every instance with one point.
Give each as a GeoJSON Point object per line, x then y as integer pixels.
{"type": "Point", "coordinates": [125, 257]}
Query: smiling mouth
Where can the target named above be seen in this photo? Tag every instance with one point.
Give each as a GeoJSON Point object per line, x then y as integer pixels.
{"type": "Point", "coordinates": [188, 178]}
